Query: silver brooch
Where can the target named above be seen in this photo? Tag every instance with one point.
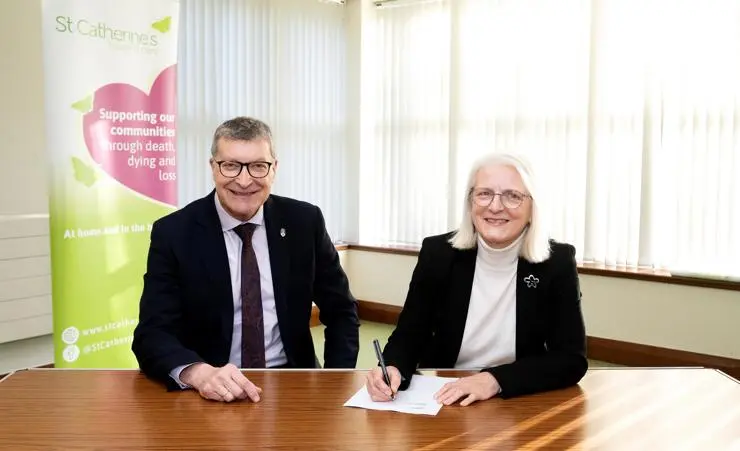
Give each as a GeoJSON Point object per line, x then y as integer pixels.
{"type": "Point", "coordinates": [531, 281]}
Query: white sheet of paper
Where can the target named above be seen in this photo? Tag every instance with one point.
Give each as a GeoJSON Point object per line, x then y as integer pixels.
{"type": "Point", "coordinates": [417, 399]}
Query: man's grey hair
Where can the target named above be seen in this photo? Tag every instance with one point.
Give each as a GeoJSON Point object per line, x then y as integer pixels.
{"type": "Point", "coordinates": [243, 128]}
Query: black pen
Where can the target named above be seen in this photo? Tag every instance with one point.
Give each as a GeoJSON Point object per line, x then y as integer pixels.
{"type": "Point", "coordinates": [379, 354]}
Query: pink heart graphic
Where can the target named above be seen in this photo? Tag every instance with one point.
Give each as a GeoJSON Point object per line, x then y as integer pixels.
{"type": "Point", "coordinates": [131, 135]}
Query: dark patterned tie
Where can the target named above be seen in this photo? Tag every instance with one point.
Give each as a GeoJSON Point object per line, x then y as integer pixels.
{"type": "Point", "coordinates": [253, 328]}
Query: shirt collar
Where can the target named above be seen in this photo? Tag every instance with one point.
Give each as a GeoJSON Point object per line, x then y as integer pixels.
{"type": "Point", "coordinates": [228, 222]}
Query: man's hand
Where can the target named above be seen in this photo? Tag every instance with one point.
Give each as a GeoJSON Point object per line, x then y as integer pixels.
{"type": "Point", "coordinates": [220, 384]}
{"type": "Point", "coordinates": [376, 386]}
{"type": "Point", "coordinates": [479, 387]}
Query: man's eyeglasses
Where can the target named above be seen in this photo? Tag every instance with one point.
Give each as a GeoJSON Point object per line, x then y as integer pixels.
{"type": "Point", "coordinates": [509, 198]}
{"type": "Point", "coordinates": [232, 169]}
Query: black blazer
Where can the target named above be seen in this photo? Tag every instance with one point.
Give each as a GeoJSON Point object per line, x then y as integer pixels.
{"type": "Point", "coordinates": [550, 334]}
{"type": "Point", "coordinates": [186, 310]}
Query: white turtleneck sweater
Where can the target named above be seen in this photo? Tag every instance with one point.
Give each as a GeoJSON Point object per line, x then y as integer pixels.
{"type": "Point", "coordinates": [490, 329]}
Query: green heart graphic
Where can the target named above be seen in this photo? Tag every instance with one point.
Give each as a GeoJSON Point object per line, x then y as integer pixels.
{"type": "Point", "coordinates": [84, 106]}
{"type": "Point", "coordinates": [83, 173]}
{"type": "Point", "coordinates": [163, 26]}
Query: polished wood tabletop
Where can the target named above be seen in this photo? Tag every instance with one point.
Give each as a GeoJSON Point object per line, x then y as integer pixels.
{"type": "Point", "coordinates": [621, 409]}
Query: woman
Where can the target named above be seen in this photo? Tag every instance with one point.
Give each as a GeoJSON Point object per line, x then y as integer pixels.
{"type": "Point", "coordinates": [495, 295]}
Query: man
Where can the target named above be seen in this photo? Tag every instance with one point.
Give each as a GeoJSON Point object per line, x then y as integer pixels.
{"type": "Point", "coordinates": [231, 278]}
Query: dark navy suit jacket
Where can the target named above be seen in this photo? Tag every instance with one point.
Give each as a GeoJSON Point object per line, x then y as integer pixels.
{"type": "Point", "coordinates": [186, 310]}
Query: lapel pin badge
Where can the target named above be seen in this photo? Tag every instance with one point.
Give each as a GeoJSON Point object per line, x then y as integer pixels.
{"type": "Point", "coordinates": [531, 281]}
{"type": "Point", "coordinates": [282, 233]}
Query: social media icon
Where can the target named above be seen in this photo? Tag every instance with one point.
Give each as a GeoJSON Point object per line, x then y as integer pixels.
{"type": "Point", "coordinates": [70, 335]}
{"type": "Point", "coordinates": [71, 353]}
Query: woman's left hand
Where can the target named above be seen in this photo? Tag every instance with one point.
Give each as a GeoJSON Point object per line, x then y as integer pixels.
{"type": "Point", "coordinates": [479, 387]}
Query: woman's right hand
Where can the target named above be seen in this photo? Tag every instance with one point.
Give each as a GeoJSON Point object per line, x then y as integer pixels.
{"type": "Point", "coordinates": [376, 386]}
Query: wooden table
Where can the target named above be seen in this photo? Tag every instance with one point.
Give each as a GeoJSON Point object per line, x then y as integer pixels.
{"type": "Point", "coordinates": [624, 409]}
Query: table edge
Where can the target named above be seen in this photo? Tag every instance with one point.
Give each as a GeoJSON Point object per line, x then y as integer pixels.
{"type": "Point", "coordinates": [727, 376]}
{"type": "Point", "coordinates": [361, 370]}
{"type": "Point", "coordinates": [2, 379]}
{"type": "Point", "coordinates": [623, 368]}
{"type": "Point", "coordinates": [282, 370]}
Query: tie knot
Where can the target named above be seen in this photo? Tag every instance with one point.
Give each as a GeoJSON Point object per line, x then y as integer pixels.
{"type": "Point", "coordinates": [245, 231]}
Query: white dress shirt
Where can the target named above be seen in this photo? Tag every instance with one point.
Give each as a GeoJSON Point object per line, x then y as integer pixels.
{"type": "Point", "coordinates": [274, 351]}
{"type": "Point", "coordinates": [489, 338]}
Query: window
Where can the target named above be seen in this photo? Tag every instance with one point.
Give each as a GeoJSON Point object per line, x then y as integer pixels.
{"type": "Point", "coordinates": [282, 61]}
{"type": "Point", "coordinates": [627, 109]}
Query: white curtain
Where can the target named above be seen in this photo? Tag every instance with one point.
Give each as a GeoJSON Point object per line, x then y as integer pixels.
{"type": "Point", "coordinates": [628, 109]}
{"type": "Point", "coordinates": [282, 61]}
{"type": "Point", "coordinates": [522, 83]}
{"type": "Point", "coordinates": [408, 164]}
{"type": "Point", "coordinates": [668, 85]}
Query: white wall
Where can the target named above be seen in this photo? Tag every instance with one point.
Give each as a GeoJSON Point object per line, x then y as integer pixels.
{"type": "Point", "coordinates": [25, 285]}
{"type": "Point", "coordinates": [692, 319]}
{"type": "Point", "coordinates": [25, 277]}
{"type": "Point", "coordinates": [22, 144]}
{"type": "Point", "coordinates": [703, 320]}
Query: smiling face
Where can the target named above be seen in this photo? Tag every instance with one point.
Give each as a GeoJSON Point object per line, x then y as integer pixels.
{"type": "Point", "coordinates": [497, 223]}
{"type": "Point", "coordinates": [242, 196]}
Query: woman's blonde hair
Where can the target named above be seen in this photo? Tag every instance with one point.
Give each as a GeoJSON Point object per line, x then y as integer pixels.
{"type": "Point", "coordinates": [536, 245]}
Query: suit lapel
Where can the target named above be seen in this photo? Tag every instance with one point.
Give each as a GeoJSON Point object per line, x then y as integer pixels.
{"type": "Point", "coordinates": [527, 284]}
{"type": "Point", "coordinates": [463, 270]}
{"type": "Point", "coordinates": [277, 242]}
{"type": "Point", "coordinates": [216, 264]}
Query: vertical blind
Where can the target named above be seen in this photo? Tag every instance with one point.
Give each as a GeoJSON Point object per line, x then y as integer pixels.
{"type": "Point", "coordinates": [282, 61]}
{"type": "Point", "coordinates": [408, 161]}
{"type": "Point", "coordinates": [629, 111]}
